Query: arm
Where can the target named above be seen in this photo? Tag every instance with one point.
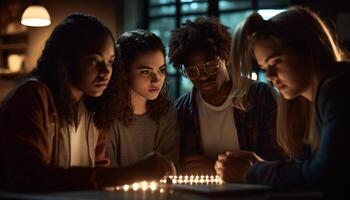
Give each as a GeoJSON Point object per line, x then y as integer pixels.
{"type": "Point", "coordinates": [27, 144]}
{"type": "Point", "coordinates": [168, 142]}
{"type": "Point", "coordinates": [26, 151]}
{"type": "Point", "coordinates": [328, 165]}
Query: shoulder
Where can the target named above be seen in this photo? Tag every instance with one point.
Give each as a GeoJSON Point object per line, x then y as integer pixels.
{"type": "Point", "coordinates": [332, 89]}
{"type": "Point", "coordinates": [260, 94]}
{"type": "Point", "coordinates": [184, 101]}
{"type": "Point", "coordinates": [29, 90]}
{"type": "Point", "coordinates": [260, 88]}
{"type": "Point", "coordinates": [170, 116]}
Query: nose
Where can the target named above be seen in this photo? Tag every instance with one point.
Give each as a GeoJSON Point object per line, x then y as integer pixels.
{"type": "Point", "coordinates": [203, 75]}
{"type": "Point", "coordinates": [155, 77]}
{"type": "Point", "coordinates": [105, 69]}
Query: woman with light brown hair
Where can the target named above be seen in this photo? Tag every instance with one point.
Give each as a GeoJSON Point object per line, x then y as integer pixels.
{"type": "Point", "coordinates": [304, 62]}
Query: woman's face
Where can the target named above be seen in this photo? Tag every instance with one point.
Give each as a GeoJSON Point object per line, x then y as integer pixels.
{"type": "Point", "coordinates": [95, 66]}
{"type": "Point", "coordinates": [284, 68]}
{"type": "Point", "coordinates": [147, 74]}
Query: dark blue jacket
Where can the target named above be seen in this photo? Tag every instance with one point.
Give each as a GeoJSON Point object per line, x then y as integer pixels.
{"type": "Point", "coordinates": [327, 169]}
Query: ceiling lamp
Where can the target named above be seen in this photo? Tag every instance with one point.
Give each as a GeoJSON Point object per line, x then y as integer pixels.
{"type": "Point", "coordinates": [36, 16]}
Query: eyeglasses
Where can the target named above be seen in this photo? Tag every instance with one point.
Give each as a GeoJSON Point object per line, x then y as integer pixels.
{"type": "Point", "coordinates": [211, 67]}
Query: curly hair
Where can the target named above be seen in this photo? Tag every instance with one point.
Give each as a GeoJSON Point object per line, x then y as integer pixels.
{"type": "Point", "coordinates": [56, 68]}
{"type": "Point", "coordinates": [202, 34]}
{"type": "Point", "coordinates": [130, 45]}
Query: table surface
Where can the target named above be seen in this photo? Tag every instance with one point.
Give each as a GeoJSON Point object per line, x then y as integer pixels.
{"type": "Point", "coordinates": [169, 193]}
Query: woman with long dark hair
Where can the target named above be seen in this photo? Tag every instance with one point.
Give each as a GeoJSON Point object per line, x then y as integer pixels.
{"type": "Point", "coordinates": [146, 120]}
{"type": "Point", "coordinates": [51, 124]}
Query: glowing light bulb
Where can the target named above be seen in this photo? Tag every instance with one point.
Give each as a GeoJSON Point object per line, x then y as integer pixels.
{"type": "Point", "coordinates": [144, 185]}
{"type": "Point", "coordinates": [126, 187]}
{"type": "Point", "coordinates": [153, 186]}
{"type": "Point", "coordinates": [135, 186]}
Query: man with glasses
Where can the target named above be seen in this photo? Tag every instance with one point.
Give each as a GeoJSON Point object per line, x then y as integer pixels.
{"type": "Point", "coordinates": [216, 117]}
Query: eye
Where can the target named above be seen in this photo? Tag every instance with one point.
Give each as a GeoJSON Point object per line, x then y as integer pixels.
{"type": "Point", "coordinates": [271, 66]}
{"type": "Point", "coordinates": [94, 61]}
{"type": "Point", "coordinates": [110, 63]}
{"type": "Point", "coordinates": [162, 70]}
{"type": "Point", "coordinates": [146, 72]}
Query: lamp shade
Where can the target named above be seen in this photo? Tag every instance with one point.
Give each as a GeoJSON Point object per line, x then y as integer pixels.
{"type": "Point", "coordinates": [36, 16]}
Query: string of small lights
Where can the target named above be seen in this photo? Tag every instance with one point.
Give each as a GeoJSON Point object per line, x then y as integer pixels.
{"type": "Point", "coordinates": [181, 179]}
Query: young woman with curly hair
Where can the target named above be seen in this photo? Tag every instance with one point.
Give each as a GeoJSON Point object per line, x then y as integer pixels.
{"type": "Point", "coordinates": [223, 112]}
{"type": "Point", "coordinates": [51, 124]}
{"type": "Point", "coordinates": [146, 120]}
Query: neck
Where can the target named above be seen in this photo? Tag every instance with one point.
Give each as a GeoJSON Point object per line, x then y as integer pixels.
{"type": "Point", "coordinates": [76, 93]}
{"type": "Point", "coordinates": [218, 98]}
{"type": "Point", "coordinates": [138, 103]}
{"type": "Point", "coordinates": [310, 91]}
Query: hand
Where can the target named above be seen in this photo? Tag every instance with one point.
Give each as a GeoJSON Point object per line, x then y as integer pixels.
{"type": "Point", "coordinates": [198, 165]}
{"type": "Point", "coordinates": [155, 166]}
{"type": "Point", "coordinates": [233, 166]}
{"type": "Point", "coordinates": [245, 154]}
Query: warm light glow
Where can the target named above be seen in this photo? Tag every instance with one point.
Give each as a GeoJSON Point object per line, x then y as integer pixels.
{"type": "Point", "coordinates": [15, 62]}
{"type": "Point", "coordinates": [186, 179]}
{"type": "Point", "coordinates": [153, 186]}
{"type": "Point", "coordinates": [36, 16]}
{"type": "Point", "coordinates": [182, 179]}
{"type": "Point", "coordinates": [126, 187]}
{"type": "Point", "coordinates": [135, 186]}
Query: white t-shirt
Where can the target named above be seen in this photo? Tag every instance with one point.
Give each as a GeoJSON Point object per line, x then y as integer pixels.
{"type": "Point", "coordinates": [79, 152]}
{"type": "Point", "coordinates": [217, 127]}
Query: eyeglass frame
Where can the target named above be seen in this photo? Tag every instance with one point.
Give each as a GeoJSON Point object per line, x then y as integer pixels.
{"type": "Point", "coordinates": [203, 67]}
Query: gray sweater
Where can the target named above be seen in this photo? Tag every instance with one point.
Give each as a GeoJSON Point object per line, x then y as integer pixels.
{"type": "Point", "coordinates": [129, 144]}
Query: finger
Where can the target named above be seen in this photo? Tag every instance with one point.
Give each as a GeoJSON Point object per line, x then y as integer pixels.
{"type": "Point", "coordinates": [222, 157]}
{"type": "Point", "coordinates": [218, 164]}
{"type": "Point", "coordinates": [172, 169]}
{"type": "Point", "coordinates": [219, 171]}
{"type": "Point", "coordinates": [243, 154]}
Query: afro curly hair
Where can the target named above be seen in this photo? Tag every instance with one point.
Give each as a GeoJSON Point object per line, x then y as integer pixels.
{"type": "Point", "coordinates": [201, 34]}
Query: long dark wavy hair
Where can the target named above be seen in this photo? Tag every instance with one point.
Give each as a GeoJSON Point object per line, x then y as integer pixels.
{"type": "Point", "coordinates": [129, 46]}
{"type": "Point", "coordinates": [56, 68]}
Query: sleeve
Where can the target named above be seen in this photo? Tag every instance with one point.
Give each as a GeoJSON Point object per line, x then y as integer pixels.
{"type": "Point", "coordinates": [328, 168]}
{"type": "Point", "coordinates": [26, 145]}
{"type": "Point", "coordinates": [168, 142]}
{"type": "Point", "coordinates": [112, 145]}
{"type": "Point", "coordinates": [268, 147]}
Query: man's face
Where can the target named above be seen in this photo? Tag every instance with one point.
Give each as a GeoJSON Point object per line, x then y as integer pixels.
{"type": "Point", "coordinates": [207, 73]}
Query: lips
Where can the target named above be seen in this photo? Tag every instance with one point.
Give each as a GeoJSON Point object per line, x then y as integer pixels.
{"type": "Point", "coordinates": [154, 89]}
{"type": "Point", "coordinates": [102, 85]}
{"type": "Point", "coordinates": [280, 86]}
